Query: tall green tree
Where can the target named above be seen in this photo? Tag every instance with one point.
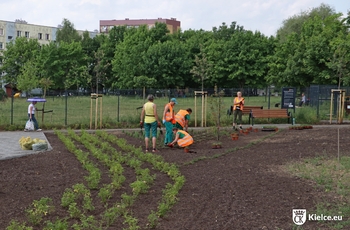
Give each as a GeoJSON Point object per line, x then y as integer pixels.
{"type": "Point", "coordinates": [128, 60]}
{"type": "Point", "coordinates": [241, 60]}
{"type": "Point", "coordinates": [90, 46]}
{"type": "Point", "coordinates": [202, 68]}
{"type": "Point", "coordinates": [340, 62]}
{"type": "Point", "coordinates": [225, 32]}
{"type": "Point", "coordinates": [67, 33]}
{"type": "Point", "coordinates": [294, 24]}
{"type": "Point", "coordinates": [28, 79]}
{"type": "Point", "coordinates": [194, 41]}
{"type": "Point", "coordinates": [64, 64]}
{"type": "Point", "coordinates": [108, 46]}
{"type": "Point", "coordinates": [168, 63]}
{"type": "Point", "coordinates": [311, 56]}
{"type": "Point", "coordinates": [16, 55]}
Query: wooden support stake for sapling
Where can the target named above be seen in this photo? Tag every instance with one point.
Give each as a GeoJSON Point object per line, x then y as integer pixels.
{"type": "Point", "coordinates": [338, 147]}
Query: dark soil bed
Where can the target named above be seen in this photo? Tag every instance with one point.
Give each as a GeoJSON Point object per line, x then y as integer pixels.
{"type": "Point", "coordinates": [239, 186]}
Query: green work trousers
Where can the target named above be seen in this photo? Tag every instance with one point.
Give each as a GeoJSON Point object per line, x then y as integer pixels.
{"type": "Point", "coordinates": [168, 132]}
{"type": "Point", "coordinates": [239, 114]}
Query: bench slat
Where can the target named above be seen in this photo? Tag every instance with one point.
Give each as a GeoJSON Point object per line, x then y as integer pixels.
{"type": "Point", "coordinates": [271, 113]}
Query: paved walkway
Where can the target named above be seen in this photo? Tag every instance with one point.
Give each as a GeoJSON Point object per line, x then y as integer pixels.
{"type": "Point", "coordinates": [10, 148]}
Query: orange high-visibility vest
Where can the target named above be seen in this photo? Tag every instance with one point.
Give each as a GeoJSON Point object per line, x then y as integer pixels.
{"type": "Point", "coordinates": [237, 102]}
{"type": "Point", "coordinates": [186, 140]}
{"type": "Point", "coordinates": [169, 116]}
{"type": "Point", "coordinates": [180, 117]}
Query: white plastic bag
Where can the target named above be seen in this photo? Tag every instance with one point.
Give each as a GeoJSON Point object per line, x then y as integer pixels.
{"type": "Point", "coordinates": [29, 125]}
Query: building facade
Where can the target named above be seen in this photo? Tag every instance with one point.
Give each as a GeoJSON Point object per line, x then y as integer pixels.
{"type": "Point", "coordinates": [172, 24]}
{"type": "Point", "coordinates": [9, 31]}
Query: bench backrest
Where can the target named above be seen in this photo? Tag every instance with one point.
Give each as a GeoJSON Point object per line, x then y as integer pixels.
{"type": "Point", "coordinates": [248, 108]}
{"type": "Point", "coordinates": [270, 113]}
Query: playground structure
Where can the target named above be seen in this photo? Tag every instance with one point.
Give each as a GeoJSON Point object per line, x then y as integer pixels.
{"type": "Point", "coordinates": [204, 95]}
{"type": "Point", "coordinates": [98, 107]}
{"type": "Point", "coordinates": [340, 94]}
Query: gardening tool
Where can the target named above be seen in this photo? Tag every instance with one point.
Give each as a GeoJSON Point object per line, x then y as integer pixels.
{"type": "Point", "coordinates": [160, 129]}
{"type": "Point", "coordinates": [141, 125]}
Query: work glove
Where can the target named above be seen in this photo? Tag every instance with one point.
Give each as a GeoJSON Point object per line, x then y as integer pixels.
{"type": "Point", "coordinates": [163, 121]}
{"type": "Point", "coordinates": [159, 125]}
{"type": "Point", "coordinates": [141, 124]}
{"type": "Point", "coordinates": [170, 145]}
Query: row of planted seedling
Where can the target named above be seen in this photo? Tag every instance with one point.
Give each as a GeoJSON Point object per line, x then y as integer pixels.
{"type": "Point", "coordinates": [101, 149]}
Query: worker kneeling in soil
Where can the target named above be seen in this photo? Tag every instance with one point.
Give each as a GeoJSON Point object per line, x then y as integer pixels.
{"type": "Point", "coordinates": [182, 138]}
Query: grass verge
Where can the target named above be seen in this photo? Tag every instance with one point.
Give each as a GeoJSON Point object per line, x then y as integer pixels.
{"type": "Point", "coordinates": [332, 176]}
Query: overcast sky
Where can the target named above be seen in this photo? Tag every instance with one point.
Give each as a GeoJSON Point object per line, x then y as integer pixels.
{"type": "Point", "coordinates": [265, 16]}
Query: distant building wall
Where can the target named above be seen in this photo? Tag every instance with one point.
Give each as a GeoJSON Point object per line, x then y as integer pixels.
{"type": "Point", "coordinates": [9, 31]}
{"type": "Point", "coordinates": [172, 24]}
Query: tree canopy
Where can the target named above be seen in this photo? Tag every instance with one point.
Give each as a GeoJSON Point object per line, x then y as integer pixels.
{"type": "Point", "coordinates": [310, 48]}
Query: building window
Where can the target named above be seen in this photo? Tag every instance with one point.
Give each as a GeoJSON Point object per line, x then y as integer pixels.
{"type": "Point", "coordinates": [26, 34]}
{"type": "Point", "coordinates": [40, 36]}
{"type": "Point", "coordinates": [9, 37]}
{"type": "Point", "coordinates": [1, 31]}
{"type": "Point", "coordinates": [19, 33]}
{"type": "Point", "coordinates": [1, 46]}
{"type": "Point", "coordinates": [47, 36]}
{"type": "Point", "coordinates": [104, 29]}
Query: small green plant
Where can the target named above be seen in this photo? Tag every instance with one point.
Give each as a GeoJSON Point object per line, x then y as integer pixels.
{"type": "Point", "coordinates": [68, 197]}
{"type": "Point", "coordinates": [39, 209]}
{"type": "Point", "coordinates": [14, 225]}
{"type": "Point", "coordinates": [86, 222]}
{"type": "Point", "coordinates": [152, 219]}
{"type": "Point", "coordinates": [127, 200]}
{"type": "Point", "coordinates": [162, 209]}
{"type": "Point", "coordinates": [131, 221]}
{"type": "Point", "coordinates": [57, 225]}
{"type": "Point", "coordinates": [105, 193]}
{"type": "Point", "coordinates": [111, 214]}
{"type": "Point", "coordinates": [139, 187]}
{"type": "Point", "coordinates": [74, 211]}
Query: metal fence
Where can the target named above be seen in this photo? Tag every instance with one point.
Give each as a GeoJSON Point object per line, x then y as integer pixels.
{"type": "Point", "coordinates": [74, 107]}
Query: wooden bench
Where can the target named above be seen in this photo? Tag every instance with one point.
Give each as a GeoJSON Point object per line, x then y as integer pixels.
{"type": "Point", "coordinates": [270, 113]}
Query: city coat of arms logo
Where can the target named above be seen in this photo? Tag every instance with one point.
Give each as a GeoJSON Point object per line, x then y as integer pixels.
{"type": "Point", "coordinates": [299, 216]}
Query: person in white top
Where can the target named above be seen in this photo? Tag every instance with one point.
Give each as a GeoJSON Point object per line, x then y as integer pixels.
{"type": "Point", "coordinates": [31, 115]}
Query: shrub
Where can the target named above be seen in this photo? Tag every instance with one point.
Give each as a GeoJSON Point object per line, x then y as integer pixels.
{"type": "Point", "coordinates": [306, 115]}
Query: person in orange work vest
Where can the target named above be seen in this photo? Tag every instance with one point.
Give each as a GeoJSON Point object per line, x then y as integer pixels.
{"type": "Point", "coordinates": [182, 138]}
{"type": "Point", "coordinates": [182, 118]}
{"type": "Point", "coordinates": [169, 120]}
{"type": "Point", "coordinates": [238, 104]}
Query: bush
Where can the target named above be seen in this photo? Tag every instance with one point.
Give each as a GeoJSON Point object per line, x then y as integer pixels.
{"type": "Point", "coordinates": [3, 95]}
{"type": "Point", "coordinates": [306, 115]}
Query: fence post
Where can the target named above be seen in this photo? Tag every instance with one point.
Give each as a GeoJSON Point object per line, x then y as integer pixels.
{"type": "Point", "coordinates": [118, 109]}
